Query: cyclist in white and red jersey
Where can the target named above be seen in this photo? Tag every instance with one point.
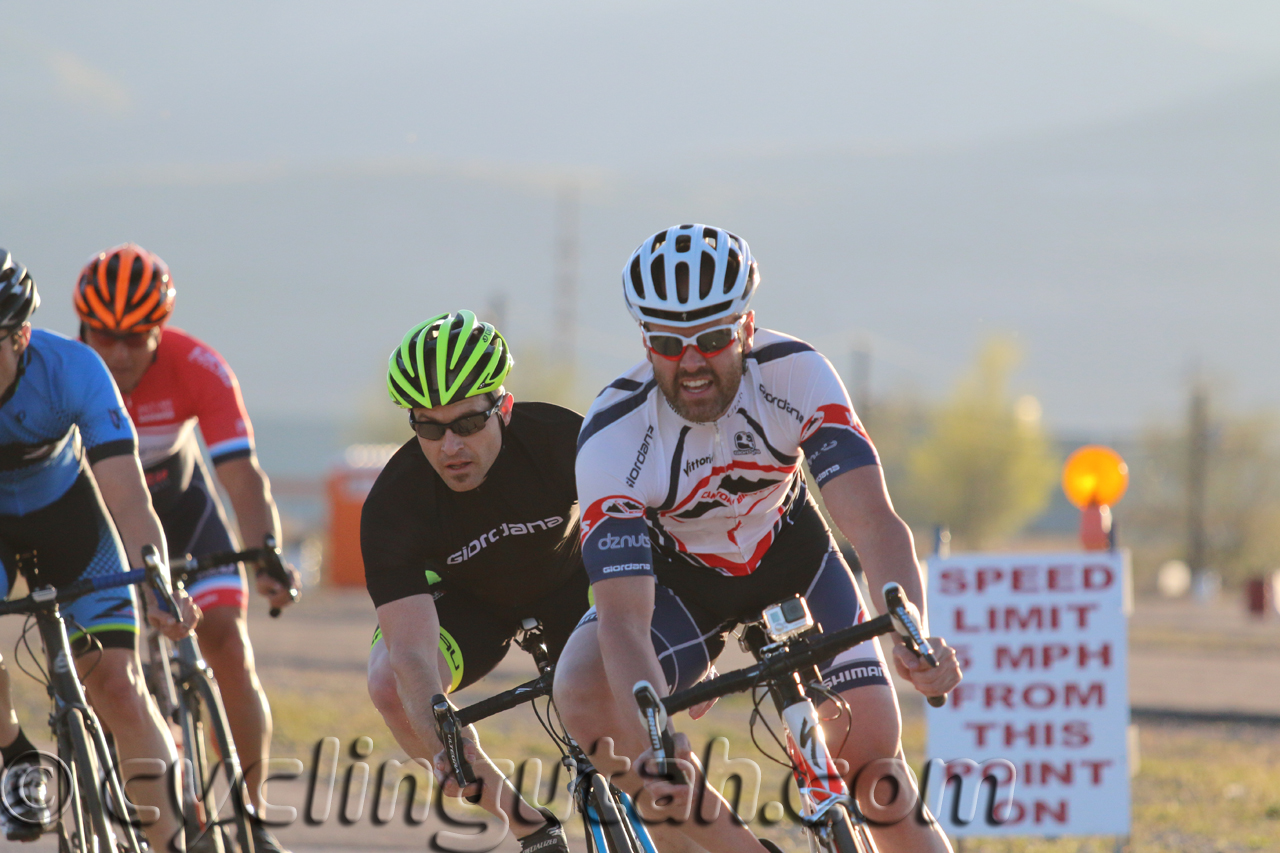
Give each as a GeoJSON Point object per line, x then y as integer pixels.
{"type": "Point", "coordinates": [696, 516]}
{"type": "Point", "coordinates": [172, 382]}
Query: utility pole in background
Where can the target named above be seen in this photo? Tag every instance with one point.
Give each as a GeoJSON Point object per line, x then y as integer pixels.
{"type": "Point", "coordinates": [1197, 474]}
{"type": "Point", "coordinates": [566, 278]}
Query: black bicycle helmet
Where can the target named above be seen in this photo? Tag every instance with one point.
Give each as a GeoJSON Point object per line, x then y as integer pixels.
{"type": "Point", "coordinates": [18, 296]}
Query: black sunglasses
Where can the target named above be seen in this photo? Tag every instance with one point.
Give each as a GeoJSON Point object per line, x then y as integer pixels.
{"type": "Point", "coordinates": [462, 427]}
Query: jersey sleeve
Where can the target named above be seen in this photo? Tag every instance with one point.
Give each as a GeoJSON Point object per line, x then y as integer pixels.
{"type": "Point", "coordinates": [615, 536]}
{"type": "Point", "coordinates": [96, 406]}
{"type": "Point", "coordinates": [392, 542]}
{"type": "Point", "coordinates": [219, 406]}
{"type": "Point", "coordinates": [833, 439]}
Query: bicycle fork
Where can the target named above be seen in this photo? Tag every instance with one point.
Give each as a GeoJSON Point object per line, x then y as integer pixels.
{"type": "Point", "coordinates": [818, 779]}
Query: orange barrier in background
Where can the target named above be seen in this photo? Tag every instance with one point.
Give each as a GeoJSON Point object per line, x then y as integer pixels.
{"type": "Point", "coordinates": [348, 485]}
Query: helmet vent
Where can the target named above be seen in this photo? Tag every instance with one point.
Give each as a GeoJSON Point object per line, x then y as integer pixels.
{"type": "Point", "coordinates": [731, 268]}
{"type": "Point", "coordinates": [637, 280]}
{"type": "Point", "coordinates": [709, 237]}
{"type": "Point", "coordinates": [658, 272]}
{"type": "Point", "coordinates": [683, 242]}
{"type": "Point", "coordinates": [658, 240]}
{"type": "Point", "coordinates": [682, 279]}
{"type": "Point", "coordinates": [706, 275]}
{"type": "Point", "coordinates": [137, 271]}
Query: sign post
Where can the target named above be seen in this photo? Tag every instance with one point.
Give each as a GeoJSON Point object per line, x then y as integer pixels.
{"type": "Point", "coordinates": [1043, 642]}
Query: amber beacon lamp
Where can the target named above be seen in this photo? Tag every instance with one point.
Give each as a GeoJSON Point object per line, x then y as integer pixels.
{"type": "Point", "coordinates": [1095, 478]}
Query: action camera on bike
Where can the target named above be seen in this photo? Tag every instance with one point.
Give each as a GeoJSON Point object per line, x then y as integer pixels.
{"type": "Point", "coordinates": [787, 619]}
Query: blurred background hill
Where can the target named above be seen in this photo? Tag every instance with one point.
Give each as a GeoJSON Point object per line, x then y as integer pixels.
{"type": "Point", "coordinates": [1094, 183]}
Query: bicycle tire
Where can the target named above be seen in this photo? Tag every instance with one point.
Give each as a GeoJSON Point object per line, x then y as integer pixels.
{"type": "Point", "coordinates": [72, 836]}
{"type": "Point", "coordinates": [90, 809]}
{"type": "Point", "coordinates": [846, 836]}
{"type": "Point", "coordinates": [202, 716]}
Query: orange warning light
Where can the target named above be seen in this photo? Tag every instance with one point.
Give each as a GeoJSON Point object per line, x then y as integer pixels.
{"type": "Point", "coordinates": [1095, 475]}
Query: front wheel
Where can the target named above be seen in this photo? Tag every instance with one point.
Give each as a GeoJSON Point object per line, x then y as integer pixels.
{"type": "Point", "coordinates": [204, 727]}
{"type": "Point", "coordinates": [91, 829]}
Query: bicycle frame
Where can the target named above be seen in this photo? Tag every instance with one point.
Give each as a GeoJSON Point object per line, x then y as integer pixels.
{"type": "Point", "coordinates": [68, 696]}
{"type": "Point", "coordinates": [181, 680]}
{"type": "Point", "coordinates": [782, 658]}
{"type": "Point", "coordinates": [818, 780]}
{"type": "Point", "coordinates": [609, 816]}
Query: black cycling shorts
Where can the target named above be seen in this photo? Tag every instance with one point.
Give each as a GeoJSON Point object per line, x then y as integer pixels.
{"type": "Point", "coordinates": [695, 608]}
{"type": "Point", "coordinates": [475, 635]}
{"type": "Point", "coordinates": [195, 524]}
{"type": "Point", "coordinates": [71, 538]}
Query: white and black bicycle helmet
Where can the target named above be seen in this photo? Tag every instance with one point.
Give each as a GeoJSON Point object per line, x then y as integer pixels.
{"type": "Point", "coordinates": [18, 296]}
{"type": "Point", "coordinates": [689, 274]}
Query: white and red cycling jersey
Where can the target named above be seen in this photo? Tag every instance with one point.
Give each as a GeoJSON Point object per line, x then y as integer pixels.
{"type": "Point", "coordinates": [714, 493]}
{"type": "Point", "coordinates": [187, 384]}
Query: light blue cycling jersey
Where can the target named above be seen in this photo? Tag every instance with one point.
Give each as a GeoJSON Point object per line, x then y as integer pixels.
{"type": "Point", "coordinates": [65, 400]}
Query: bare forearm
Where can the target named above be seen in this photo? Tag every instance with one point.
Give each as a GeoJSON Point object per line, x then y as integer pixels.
{"type": "Point", "coordinates": [417, 682]}
{"type": "Point", "coordinates": [888, 555]}
{"type": "Point", "coordinates": [250, 493]}
{"type": "Point", "coordinates": [628, 656]}
{"type": "Point", "coordinates": [859, 503]}
{"type": "Point", "coordinates": [124, 491]}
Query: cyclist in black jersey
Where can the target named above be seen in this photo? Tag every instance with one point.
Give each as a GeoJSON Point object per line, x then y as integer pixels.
{"type": "Point", "coordinates": [471, 527]}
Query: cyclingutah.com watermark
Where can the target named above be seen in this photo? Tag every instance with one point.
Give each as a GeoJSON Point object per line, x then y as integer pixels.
{"type": "Point", "coordinates": [349, 791]}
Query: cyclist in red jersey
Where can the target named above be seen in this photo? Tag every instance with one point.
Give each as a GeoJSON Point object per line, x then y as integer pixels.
{"type": "Point", "coordinates": [172, 382]}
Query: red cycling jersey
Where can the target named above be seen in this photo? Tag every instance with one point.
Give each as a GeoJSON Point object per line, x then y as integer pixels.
{"type": "Point", "coordinates": [187, 383]}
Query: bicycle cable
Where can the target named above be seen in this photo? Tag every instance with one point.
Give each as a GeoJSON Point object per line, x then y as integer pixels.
{"type": "Point", "coordinates": [842, 709]}
{"type": "Point", "coordinates": [560, 739]}
{"type": "Point", "coordinates": [94, 645]}
{"type": "Point", "coordinates": [758, 695]}
{"type": "Point", "coordinates": [24, 641]}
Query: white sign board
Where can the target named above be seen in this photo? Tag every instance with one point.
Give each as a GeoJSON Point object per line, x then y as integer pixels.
{"type": "Point", "coordinates": [1043, 643]}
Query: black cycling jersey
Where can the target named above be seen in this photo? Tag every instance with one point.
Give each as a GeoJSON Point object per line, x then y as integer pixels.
{"type": "Point", "coordinates": [508, 542]}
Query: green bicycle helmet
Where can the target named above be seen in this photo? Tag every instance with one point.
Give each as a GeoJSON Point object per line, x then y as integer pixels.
{"type": "Point", "coordinates": [445, 359]}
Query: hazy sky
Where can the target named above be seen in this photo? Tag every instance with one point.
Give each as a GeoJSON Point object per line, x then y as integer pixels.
{"type": "Point", "coordinates": [88, 87]}
{"type": "Point", "coordinates": [970, 151]}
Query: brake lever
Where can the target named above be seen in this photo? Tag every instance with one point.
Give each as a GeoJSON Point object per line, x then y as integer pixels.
{"type": "Point", "coordinates": [451, 737]}
{"type": "Point", "coordinates": [906, 621]}
{"type": "Point", "coordinates": [654, 717]}
{"type": "Point", "coordinates": [158, 577]}
{"type": "Point", "coordinates": [273, 567]}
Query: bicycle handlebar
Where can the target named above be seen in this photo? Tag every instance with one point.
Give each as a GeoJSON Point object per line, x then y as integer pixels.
{"type": "Point", "coordinates": [266, 557]}
{"type": "Point", "coordinates": [811, 651]}
{"type": "Point", "coordinates": [505, 701]}
{"type": "Point", "coordinates": [450, 732]}
{"type": "Point", "coordinates": [654, 717]}
{"type": "Point", "coordinates": [69, 592]}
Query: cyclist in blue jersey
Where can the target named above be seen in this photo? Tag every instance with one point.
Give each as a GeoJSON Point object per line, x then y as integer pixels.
{"type": "Point", "coordinates": [68, 468]}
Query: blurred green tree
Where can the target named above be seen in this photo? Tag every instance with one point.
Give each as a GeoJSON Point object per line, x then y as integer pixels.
{"type": "Point", "coordinates": [985, 466]}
